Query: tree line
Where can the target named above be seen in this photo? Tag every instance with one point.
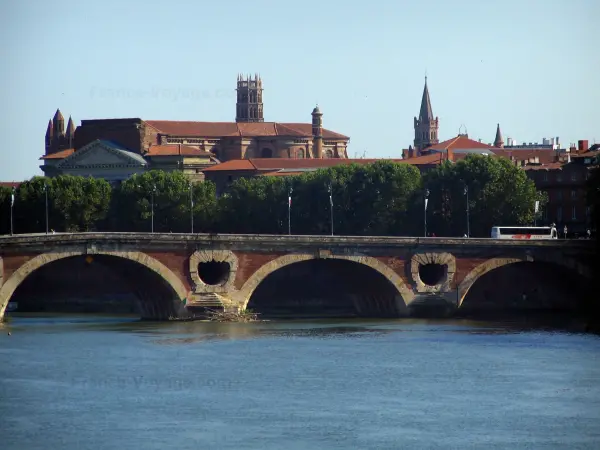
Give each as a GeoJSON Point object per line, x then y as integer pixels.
{"type": "Point", "coordinates": [383, 198]}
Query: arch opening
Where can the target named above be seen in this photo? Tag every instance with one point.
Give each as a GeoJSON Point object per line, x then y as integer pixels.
{"type": "Point", "coordinates": [432, 274]}
{"type": "Point", "coordinates": [96, 284]}
{"type": "Point", "coordinates": [527, 287]}
{"type": "Point", "coordinates": [214, 272]}
{"type": "Point", "coordinates": [325, 288]}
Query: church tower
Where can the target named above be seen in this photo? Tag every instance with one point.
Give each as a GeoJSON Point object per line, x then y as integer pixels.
{"type": "Point", "coordinates": [426, 126]}
{"type": "Point", "coordinates": [498, 141]}
{"type": "Point", "coordinates": [249, 107]}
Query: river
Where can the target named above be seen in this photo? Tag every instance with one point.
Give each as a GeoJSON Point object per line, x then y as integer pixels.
{"type": "Point", "coordinates": [95, 382]}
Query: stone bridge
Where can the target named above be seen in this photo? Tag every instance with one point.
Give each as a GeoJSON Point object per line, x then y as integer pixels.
{"type": "Point", "coordinates": [173, 275]}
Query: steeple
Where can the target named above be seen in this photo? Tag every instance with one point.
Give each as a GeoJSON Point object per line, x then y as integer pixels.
{"type": "Point", "coordinates": [426, 114]}
{"type": "Point", "coordinates": [59, 124]}
{"type": "Point", "coordinates": [498, 142]}
{"type": "Point", "coordinates": [426, 126]}
{"type": "Point", "coordinates": [70, 133]}
{"type": "Point", "coordinates": [249, 107]}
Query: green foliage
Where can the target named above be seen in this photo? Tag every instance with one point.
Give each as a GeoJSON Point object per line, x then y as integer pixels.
{"type": "Point", "coordinates": [367, 200]}
{"type": "Point", "coordinates": [168, 193]}
{"type": "Point", "coordinates": [383, 198]}
{"type": "Point", "coordinates": [499, 194]}
{"type": "Point", "coordinates": [74, 204]}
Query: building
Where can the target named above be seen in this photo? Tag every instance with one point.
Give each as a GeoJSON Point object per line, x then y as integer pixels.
{"type": "Point", "coordinates": [564, 180]}
{"type": "Point", "coordinates": [186, 145]}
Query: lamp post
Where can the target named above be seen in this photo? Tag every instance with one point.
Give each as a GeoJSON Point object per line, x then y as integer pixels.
{"type": "Point", "coordinates": [330, 190]}
{"type": "Point", "coordinates": [12, 204]}
{"type": "Point", "coordinates": [468, 221]}
{"type": "Point", "coordinates": [46, 193]}
{"type": "Point", "coordinates": [152, 203]}
{"type": "Point", "coordinates": [192, 205]}
{"type": "Point", "coordinates": [425, 210]}
{"type": "Point", "coordinates": [290, 210]}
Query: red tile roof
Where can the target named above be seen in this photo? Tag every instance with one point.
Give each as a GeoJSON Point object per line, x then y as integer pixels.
{"type": "Point", "coordinates": [175, 150]}
{"type": "Point", "coordinates": [283, 164]}
{"type": "Point", "coordinates": [459, 142]}
{"type": "Point", "coordinates": [10, 184]}
{"type": "Point", "coordinates": [60, 155]}
{"type": "Point", "coordinates": [225, 129]}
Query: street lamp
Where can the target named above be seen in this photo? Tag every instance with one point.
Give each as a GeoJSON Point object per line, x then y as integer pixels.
{"type": "Point", "coordinates": [290, 210]}
{"type": "Point", "coordinates": [425, 210]}
{"type": "Point", "coordinates": [152, 202]}
{"type": "Point", "coordinates": [192, 205]}
{"type": "Point", "coordinates": [46, 194]}
{"type": "Point", "coordinates": [468, 221]}
{"type": "Point", "coordinates": [12, 204]}
{"type": "Point", "coordinates": [330, 190]}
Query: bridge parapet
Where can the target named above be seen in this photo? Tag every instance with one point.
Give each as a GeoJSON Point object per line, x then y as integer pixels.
{"type": "Point", "coordinates": [223, 269]}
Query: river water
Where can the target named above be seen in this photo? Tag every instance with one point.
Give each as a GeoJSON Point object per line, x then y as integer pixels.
{"type": "Point", "coordinates": [91, 382]}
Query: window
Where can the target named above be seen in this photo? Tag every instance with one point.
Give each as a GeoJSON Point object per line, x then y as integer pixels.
{"type": "Point", "coordinates": [559, 177]}
{"type": "Point", "coordinates": [545, 214]}
{"type": "Point", "coordinates": [559, 213]}
{"type": "Point", "coordinates": [266, 153]}
{"type": "Point", "coordinates": [559, 196]}
{"type": "Point", "coordinates": [573, 194]}
{"type": "Point", "coordinates": [328, 154]}
{"type": "Point", "coordinates": [300, 153]}
{"type": "Point", "coordinates": [545, 177]}
{"type": "Point", "coordinates": [573, 213]}
{"type": "Point", "coordinates": [573, 176]}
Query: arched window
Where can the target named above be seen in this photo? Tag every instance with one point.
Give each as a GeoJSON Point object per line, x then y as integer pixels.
{"type": "Point", "coordinates": [300, 153]}
{"type": "Point", "coordinates": [266, 153]}
{"type": "Point", "coordinates": [328, 153]}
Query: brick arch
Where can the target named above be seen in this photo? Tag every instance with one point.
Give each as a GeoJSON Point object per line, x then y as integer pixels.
{"type": "Point", "coordinates": [494, 263]}
{"type": "Point", "coordinates": [14, 281]}
{"type": "Point", "coordinates": [263, 272]}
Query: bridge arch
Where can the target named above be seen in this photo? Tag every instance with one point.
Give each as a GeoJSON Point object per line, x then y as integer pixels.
{"type": "Point", "coordinates": [404, 294]}
{"type": "Point", "coordinates": [20, 275]}
{"type": "Point", "coordinates": [495, 263]}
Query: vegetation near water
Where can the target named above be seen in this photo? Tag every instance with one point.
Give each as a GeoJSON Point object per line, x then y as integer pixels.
{"type": "Point", "coordinates": [383, 198]}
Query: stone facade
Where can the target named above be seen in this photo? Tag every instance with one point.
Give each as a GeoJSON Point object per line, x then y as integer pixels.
{"type": "Point", "coordinates": [248, 260]}
{"type": "Point", "coordinates": [206, 143]}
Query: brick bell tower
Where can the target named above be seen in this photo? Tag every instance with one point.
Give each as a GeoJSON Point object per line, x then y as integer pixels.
{"type": "Point", "coordinates": [249, 107]}
{"type": "Point", "coordinates": [426, 126]}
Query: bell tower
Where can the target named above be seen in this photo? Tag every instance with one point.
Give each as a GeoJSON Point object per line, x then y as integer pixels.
{"type": "Point", "coordinates": [249, 107]}
{"type": "Point", "coordinates": [426, 126]}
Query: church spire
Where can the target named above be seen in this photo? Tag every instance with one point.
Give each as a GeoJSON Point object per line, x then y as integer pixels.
{"type": "Point", "coordinates": [426, 126]}
{"type": "Point", "coordinates": [498, 142]}
{"type": "Point", "coordinates": [426, 113]}
{"type": "Point", "coordinates": [70, 134]}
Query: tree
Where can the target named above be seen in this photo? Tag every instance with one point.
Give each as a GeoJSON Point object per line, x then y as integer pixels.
{"type": "Point", "coordinates": [77, 203]}
{"type": "Point", "coordinates": [168, 195]}
{"type": "Point", "coordinates": [367, 199]}
{"type": "Point", "coordinates": [499, 193]}
{"type": "Point", "coordinates": [255, 205]}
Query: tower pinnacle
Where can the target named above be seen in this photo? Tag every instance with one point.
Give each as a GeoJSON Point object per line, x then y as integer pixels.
{"type": "Point", "coordinates": [498, 142]}
{"type": "Point", "coordinates": [426, 126]}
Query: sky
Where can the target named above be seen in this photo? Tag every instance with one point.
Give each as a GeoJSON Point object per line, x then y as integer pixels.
{"type": "Point", "coordinates": [531, 65]}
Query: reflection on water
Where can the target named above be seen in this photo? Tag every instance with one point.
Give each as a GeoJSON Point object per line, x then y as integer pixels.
{"type": "Point", "coordinates": [101, 382]}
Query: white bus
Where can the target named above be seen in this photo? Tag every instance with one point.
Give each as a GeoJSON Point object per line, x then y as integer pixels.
{"type": "Point", "coordinates": [524, 233]}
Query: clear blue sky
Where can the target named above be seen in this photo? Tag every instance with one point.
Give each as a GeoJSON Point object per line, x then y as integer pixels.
{"type": "Point", "coordinates": [531, 65]}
